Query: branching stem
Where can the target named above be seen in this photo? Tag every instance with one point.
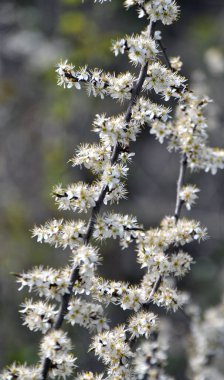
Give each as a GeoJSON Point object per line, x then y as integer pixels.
{"type": "Point", "coordinates": [180, 182]}
{"type": "Point", "coordinates": [96, 209]}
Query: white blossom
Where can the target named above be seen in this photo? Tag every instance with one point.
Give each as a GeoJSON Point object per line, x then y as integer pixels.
{"type": "Point", "coordinates": [111, 347]}
{"type": "Point", "coordinates": [21, 372]}
{"type": "Point", "coordinates": [60, 233]}
{"type": "Point", "coordinates": [164, 81]}
{"type": "Point", "coordinates": [66, 75]}
{"type": "Point", "coordinates": [49, 282]}
{"type": "Point", "coordinates": [92, 156]}
{"type": "Point", "coordinates": [142, 324]}
{"type": "Point", "coordinates": [150, 360]}
{"type": "Point", "coordinates": [78, 196]}
{"type": "Point", "coordinates": [140, 48]}
{"type": "Point", "coordinates": [56, 346]}
{"type": "Point", "coordinates": [188, 194]}
{"type": "Point", "coordinates": [86, 314]}
{"type": "Point", "coordinates": [38, 315]}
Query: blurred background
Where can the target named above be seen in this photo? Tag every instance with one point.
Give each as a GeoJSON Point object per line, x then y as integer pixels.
{"type": "Point", "coordinates": [41, 124]}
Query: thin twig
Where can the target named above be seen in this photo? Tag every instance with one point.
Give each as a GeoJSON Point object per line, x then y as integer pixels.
{"type": "Point", "coordinates": [177, 212]}
{"type": "Point", "coordinates": [165, 55]}
{"type": "Point", "coordinates": [179, 202]}
{"type": "Point", "coordinates": [180, 181]}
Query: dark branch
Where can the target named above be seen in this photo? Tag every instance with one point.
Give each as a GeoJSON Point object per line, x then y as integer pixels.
{"type": "Point", "coordinates": [165, 55]}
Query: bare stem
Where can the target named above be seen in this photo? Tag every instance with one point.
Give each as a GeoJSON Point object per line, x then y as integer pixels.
{"type": "Point", "coordinates": [165, 55]}
{"type": "Point", "coordinates": [179, 202]}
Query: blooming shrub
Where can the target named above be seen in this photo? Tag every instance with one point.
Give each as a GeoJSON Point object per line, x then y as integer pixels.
{"type": "Point", "coordinates": [76, 294]}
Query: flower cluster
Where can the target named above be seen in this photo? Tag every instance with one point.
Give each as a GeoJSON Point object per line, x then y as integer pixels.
{"type": "Point", "coordinates": [56, 346]}
{"type": "Point", "coordinates": [187, 133]}
{"type": "Point", "coordinates": [150, 360]}
{"type": "Point", "coordinates": [49, 283]}
{"type": "Point", "coordinates": [142, 324]}
{"type": "Point", "coordinates": [165, 11]}
{"type": "Point", "coordinates": [140, 48]}
{"type": "Point", "coordinates": [78, 196]}
{"type": "Point", "coordinates": [125, 227]}
{"type": "Point", "coordinates": [206, 346]}
{"type": "Point", "coordinates": [86, 314]}
{"type": "Point", "coordinates": [116, 129]}
{"type": "Point", "coordinates": [96, 81]}
{"type": "Point", "coordinates": [60, 233]}
{"type": "Point", "coordinates": [113, 349]}
{"type": "Point", "coordinates": [188, 195]}
{"type": "Point", "coordinates": [38, 315]}
{"type": "Point", "coordinates": [21, 372]}
{"type": "Point", "coordinates": [85, 258]}
{"type": "Point", "coordinates": [164, 81]}
{"type": "Point", "coordinates": [154, 245]}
